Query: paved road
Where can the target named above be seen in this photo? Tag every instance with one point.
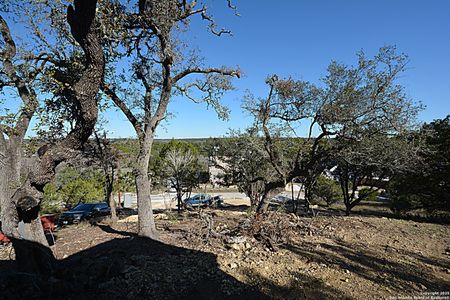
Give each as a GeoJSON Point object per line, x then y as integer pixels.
{"type": "Point", "coordinates": [169, 199]}
{"type": "Point", "coordinates": [169, 196]}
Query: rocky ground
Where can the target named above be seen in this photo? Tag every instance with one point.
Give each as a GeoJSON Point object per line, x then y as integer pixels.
{"type": "Point", "coordinates": [229, 254]}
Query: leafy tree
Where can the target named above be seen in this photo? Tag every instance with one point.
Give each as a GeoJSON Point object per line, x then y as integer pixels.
{"type": "Point", "coordinates": [157, 67]}
{"type": "Point", "coordinates": [81, 191]}
{"type": "Point", "coordinates": [102, 154]}
{"type": "Point", "coordinates": [352, 102]}
{"type": "Point", "coordinates": [327, 189]}
{"type": "Point", "coordinates": [83, 92]}
{"type": "Point", "coordinates": [242, 162]}
{"type": "Point", "coordinates": [17, 80]}
{"type": "Point", "coordinates": [368, 194]}
{"type": "Point", "coordinates": [178, 165]}
{"type": "Point", "coordinates": [125, 182]}
{"type": "Point", "coordinates": [425, 184]}
{"type": "Point", "coordinates": [371, 162]}
{"type": "Point", "coordinates": [72, 185]}
{"type": "Point", "coordinates": [51, 200]}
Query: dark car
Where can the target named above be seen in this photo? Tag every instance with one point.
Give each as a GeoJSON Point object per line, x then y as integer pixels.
{"type": "Point", "coordinates": [84, 211]}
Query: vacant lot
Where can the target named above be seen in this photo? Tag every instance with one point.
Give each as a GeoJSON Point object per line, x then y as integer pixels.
{"type": "Point", "coordinates": [226, 254]}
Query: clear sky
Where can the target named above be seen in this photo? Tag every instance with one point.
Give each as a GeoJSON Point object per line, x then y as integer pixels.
{"type": "Point", "coordinates": [300, 38]}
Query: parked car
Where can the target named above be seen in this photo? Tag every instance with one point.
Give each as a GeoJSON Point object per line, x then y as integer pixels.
{"type": "Point", "coordinates": [84, 211]}
{"type": "Point", "coordinates": [217, 201]}
{"type": "Point", "coordinates": [203, 200]}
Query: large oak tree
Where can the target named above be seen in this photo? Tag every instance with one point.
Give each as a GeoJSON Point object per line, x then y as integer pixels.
{"type": "Point", "coordinates": [352, 103]}
{"type": "Point", "coordinates": [83, 94]}
{"type": "Point", "coordinates": [156, 67]}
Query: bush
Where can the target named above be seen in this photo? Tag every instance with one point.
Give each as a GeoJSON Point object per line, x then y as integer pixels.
{"type": "Point", "coordinates": [327, 189]}
{"type": "Point", "coordinates": [73, 192]}
{"type": "Point", "coordinates": [368, 194]}
{"type": "Point", "coordinates": [52, 202]}
{"type": "Point", "coordinates": [81, 190]}
{"type": "Point", "coordinates": [400, 204]}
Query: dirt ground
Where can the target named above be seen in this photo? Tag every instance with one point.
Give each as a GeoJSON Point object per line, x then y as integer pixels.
{"type": "Point", "coordinates": [230, 254]}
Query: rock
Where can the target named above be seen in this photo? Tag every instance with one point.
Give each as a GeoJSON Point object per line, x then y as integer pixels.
{"type": "Point", "coordinates": [347, 271]}
{"type": "Point", "coordinates": [247, 245]}
{"type": "Point", "coordinates": [237, 240]}
{"type": "Point", "coordinates": [161, 216]}
{"type": "Point", "coordinates": [233, 265]}
{"type": "Point", "coordinates": [235, 246]}
{"type": "Point", "coordinates": [130, 219]}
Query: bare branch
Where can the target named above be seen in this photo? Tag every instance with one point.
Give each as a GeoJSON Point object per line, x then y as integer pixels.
{"type": "Point", "coordinates": [212, 25]}
{"type": "Point", "coordinates": [123, 107]}
{"type": "Point", "coordinates": [27, 95]}
{"type": "Point", "coordinates": [222, 71]}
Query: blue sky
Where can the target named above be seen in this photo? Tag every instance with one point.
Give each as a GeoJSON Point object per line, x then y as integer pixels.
{"type": "Point", "coordinates": [300, 38]}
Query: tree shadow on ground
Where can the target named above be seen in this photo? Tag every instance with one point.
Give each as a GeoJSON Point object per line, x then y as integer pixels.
{"type": "Point", "coordinates": [392, 273]}
{"type": "Point", "coordinates": [132, 267]}
{"type": "Point", "coordinates": [381, 209]}
{"type": "Point", "coordinates": [230, 207]}
{"type": "Point", "coordinates": [298, 286]}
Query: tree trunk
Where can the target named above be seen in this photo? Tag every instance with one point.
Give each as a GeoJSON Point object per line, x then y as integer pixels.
{"type": "Point", "coordinates": [179, 190]}
{"type": "Point", "coordinates": [32, 230]}
{"type": "Point", "coordinates": [29, 196]}
{"type": "Point", "coordinates": [10, 167]}
{"type": "Point", "coordinates": [179, 200]}
{"type": "Point", "coordinates": [347, 209]}
{"type": "Point", "coordinates": [146, 221]}
{"type": "Point", "coordinates": [263, 204]}
{"type": "Point", "coordinates": [8, 214]}
{"type": "Point", "coordinates": [266, 197]}
{"type": "Point", "coordinates": [111, 202]}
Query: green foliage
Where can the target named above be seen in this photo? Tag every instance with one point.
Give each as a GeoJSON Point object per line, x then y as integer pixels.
{"type": "Point", "coordinates": [125, 182]}
{"type": "Point", "coordinates": [72, 187]}
{"type": "Point", "coordinates": [242, 162]}
{"type": "Point", "coordinates": [427, 184]}
{"type": "Point", "coordinates": [59, 111]}
{"type": "Point", "coordinates": [349, 116]}
{"type": "Point", "coordinates": [52, 201]}
{"type": "Point", "coordinates": [127, 151]}
{"type": "Point", "coordinates": [400, 204]}
{"type": "Point", "coordinates": [368, 194]}
{"type": "Point", "coordinates": [327, 189]}
{"type": "Point", "coordinates": [176, 164]}
{"type": "Point", "coordinates": [81, 190]}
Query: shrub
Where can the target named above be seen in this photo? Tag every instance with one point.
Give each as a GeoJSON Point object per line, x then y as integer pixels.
{"type": "Point", "coordinates": [368, 194]}
{"type": "Point", "coordinates": [400, 204]}
{"type": "Point", "coordinates": [327, 189]}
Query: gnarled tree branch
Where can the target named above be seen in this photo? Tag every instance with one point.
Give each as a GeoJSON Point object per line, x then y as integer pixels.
{"type": "Point", "coordinates": [81, 19]}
